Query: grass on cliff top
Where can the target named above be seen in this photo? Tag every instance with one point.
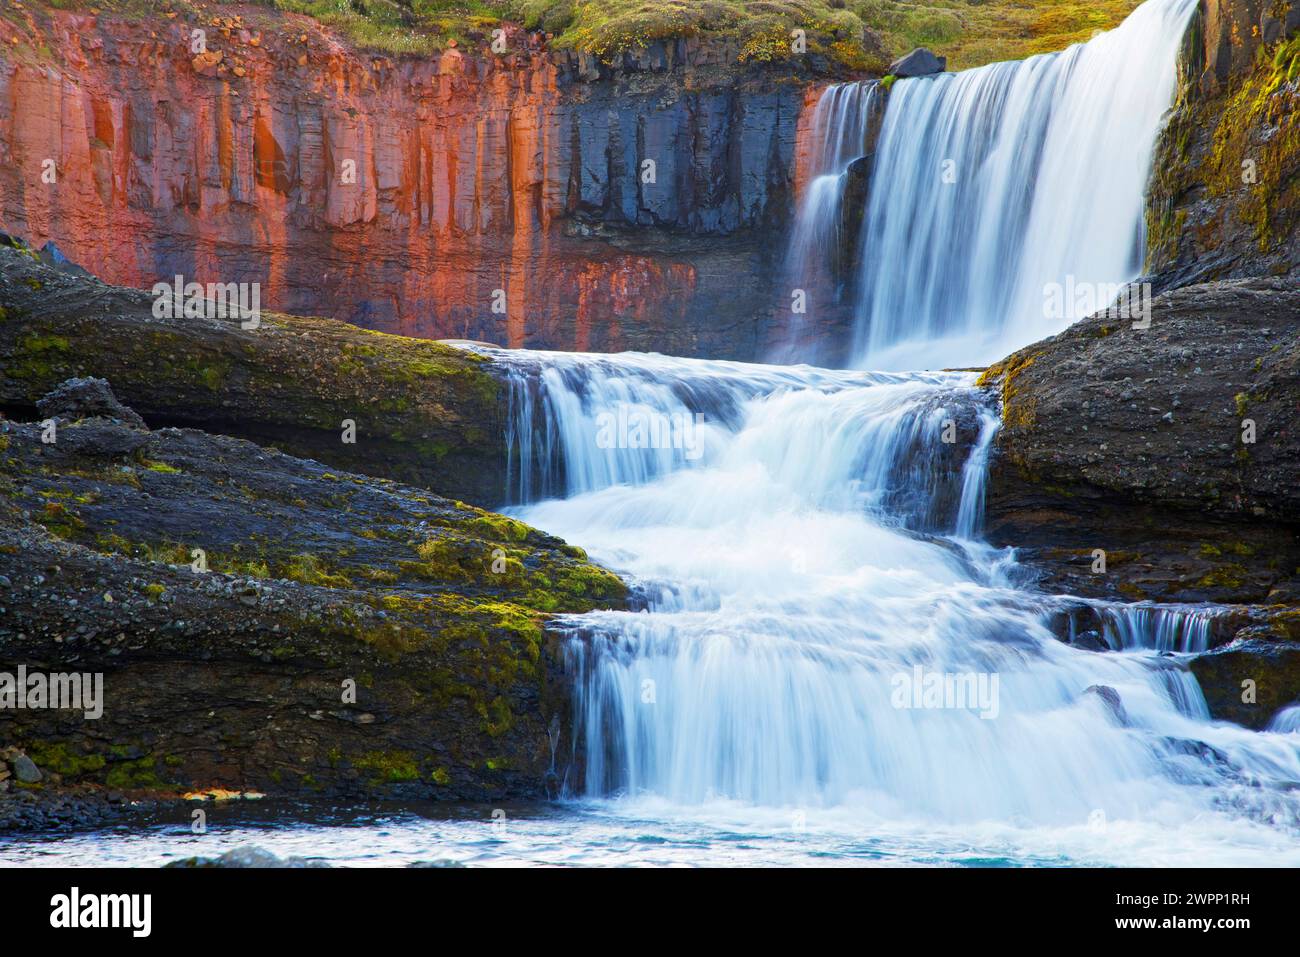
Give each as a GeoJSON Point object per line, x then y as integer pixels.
{"type": "Point", "coordinates": [969, 32]}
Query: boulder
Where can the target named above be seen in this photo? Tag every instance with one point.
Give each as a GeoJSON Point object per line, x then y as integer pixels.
{"type": "Point", "coordinates": [920, 62]}
{"type": "Point", "coordinates": [87, 398]}
{"type": "Point", "coordinates": [424, 413]}
{"type": "Point", "coordinates": [1171, 449]}
{"type": "Point", "coordinates": [385, 641]}
{"type": "Point", "coordinates": [247, 856]}
{"type": "Point", "coordinates": [25, 770]}
{"type": "Point", "coordinates": [1249, 681]}
{"type": "Point", "coordinates": [1110, 700]}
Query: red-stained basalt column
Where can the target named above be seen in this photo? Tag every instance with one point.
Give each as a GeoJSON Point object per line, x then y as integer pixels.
{"type": "Point", "coordinates": [498, 198]}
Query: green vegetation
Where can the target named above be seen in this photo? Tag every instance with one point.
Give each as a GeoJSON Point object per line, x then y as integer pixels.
{"type": "Point", "coordinates": [969, 32]}
{"type": "Point", "coordinates": [1263, 100]}
{"type": "Point", "coordinates": [392, 767]}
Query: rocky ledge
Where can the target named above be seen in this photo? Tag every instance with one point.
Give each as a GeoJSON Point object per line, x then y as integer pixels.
{"type": "Point", "coordinates": [422, 412]}
{"type": "Point", "coordinates": [267, 623]}
{"type": "Point", "coordinates": [1160, 464]}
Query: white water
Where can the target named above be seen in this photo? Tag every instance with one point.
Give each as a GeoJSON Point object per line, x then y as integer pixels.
{"type": "Point", "coordinates": [792, 574]}
{"type": "Point", "coordinates": [815, 539]}
{"type": "Point", "coordinates": [840, 129]}
{"type": "Point", "coordinates": [991, 184]}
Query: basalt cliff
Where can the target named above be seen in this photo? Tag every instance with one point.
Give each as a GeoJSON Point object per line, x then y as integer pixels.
{"type": "Point", "coordinates": [533, 198]}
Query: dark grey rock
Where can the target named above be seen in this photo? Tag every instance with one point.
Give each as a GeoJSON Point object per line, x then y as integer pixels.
{"type": "Point", "coordinates": [88, 398]}
{"type": "Point", "coordinates": [247, 856]}
{"type": "Point", "coordinates": [25, 770]}
{"type": "Point", "coordinates": [1110, 697]}
{"type": "Point", "coordinates": [920, 62]}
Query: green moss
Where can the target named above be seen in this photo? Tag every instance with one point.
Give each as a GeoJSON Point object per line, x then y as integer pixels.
{"type": "Point", "coordinates": [62, 760]}
{"type": "Point", "coordinates": [440, 777]}
{"type": "Point", "coordinates": [391, 767]}
{"type": "Point", "coordinates": [154, 591]}
{"type": "Point", "coordinates": [162, 467]}
{"type": "Point", "coordinates": [141, 774]}
{"type": "Point", "coordinates": [1263, 100]}
{"type": "Point", "coordinates": [381, 576]}
{"type": "Point", "coordinates": [1229, 575]}
{"type": "Point", "coordinates": [312, 570]}
{"type": "Point", "coordinates": [40, 359]}
{"type": "Point", "coordinates": [1016, 411]}
{"type": "Point", "coordinates": [60, 521]}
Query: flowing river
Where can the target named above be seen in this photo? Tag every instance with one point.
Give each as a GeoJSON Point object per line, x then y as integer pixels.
{"type": "Point", "coordinates": [831, 666]}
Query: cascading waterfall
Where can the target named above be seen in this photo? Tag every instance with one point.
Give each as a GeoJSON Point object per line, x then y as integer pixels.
{"type": "Point", "coordinates": [823, 629]}
{"type": "Point", "coordinates": [1006, 201]}
{"type": "Point", "coordinates": [840, 129]}
{"type": "Point", "coordinates": [840, 125]}
{"type": "Point", "coordinates": [806, 597]}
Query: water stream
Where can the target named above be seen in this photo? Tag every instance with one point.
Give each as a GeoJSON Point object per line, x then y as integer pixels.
{"type": "Point", "coordinates": [831, 666]}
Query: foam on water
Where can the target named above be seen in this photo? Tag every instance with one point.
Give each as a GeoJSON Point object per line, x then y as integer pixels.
{"type": "Point", "coordinates": [798, 574]}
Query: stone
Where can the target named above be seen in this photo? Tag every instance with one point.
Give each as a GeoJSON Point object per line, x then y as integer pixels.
{"type": "Point", "coordinates": [205, 64]}
{"type": "Point", "coordinates": [246, 856]}
{"type": "Point", "coordinates": [25, 770]}
{"type": "Point", "coordinates": [88, 398]}
{"type": "Point", "coordinates": [1110, 698]}
{"type": "Point", "coordinates": [920, 62]}
{"type": "Point", "coordinates": [1176, 508]}
{"type": "Point", "coordinates": [1271, 666]}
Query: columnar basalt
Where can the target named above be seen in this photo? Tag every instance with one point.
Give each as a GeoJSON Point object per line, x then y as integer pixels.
{"type": "Point", "coordinates": [531, 199]}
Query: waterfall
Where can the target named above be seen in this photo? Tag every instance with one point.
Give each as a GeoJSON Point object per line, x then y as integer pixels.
{"type": "Point", "coordinates": [1007, 201]}
{"type": "Point", "coordinates": [822, 627]}
{"type": "Point", "coordinates": [840, 129]}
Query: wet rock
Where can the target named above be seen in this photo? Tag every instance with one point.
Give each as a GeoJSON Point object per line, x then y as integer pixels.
{"type": "Point", "coordinates": [920, 62]}
{"type": "Point", "coordinates": [1249, 681]}
{"type": "Point", "coordinates": [87, 398]}
{"type": "Point", "coordinates": [246, 856]}
{"type": "Point", "coordinates": [1110, 698]}
{"type": "Point", "coordinates": [1109, 501]}
{"type": "Point", "coordinates": [25, 770]}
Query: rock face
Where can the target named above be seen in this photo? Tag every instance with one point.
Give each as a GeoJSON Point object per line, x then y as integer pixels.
{"type": "Point", "coordinates": [920, 62]}
{"type": "Point", "coordinates": [1224, 200]}
{"type": "Point", "coordinates": [1250, 681]}
{"type": "Point", "coordinates": [1160, 464]}
{"type": "Point", "coordinates": [420, 411]}
{"type": "Point", "coordinates": [263, 623]}
{"type": "Point", "coordinates": [1174, 448]}
{"type": "Point", "coordinates": [530, 199]}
